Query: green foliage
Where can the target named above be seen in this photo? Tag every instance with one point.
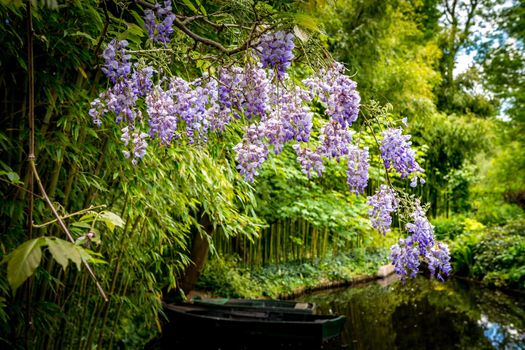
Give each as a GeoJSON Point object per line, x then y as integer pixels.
{"type": "Point", "coordinates": [226, 277]}
{"type": "Point", "coordinates": [25, 259]}
{"type": "Point", "coordinates": [492, 255]}
{"type": "Point", "coordinates": [448, 228]}
{"type": "Point", "coordinates": [384, 44]}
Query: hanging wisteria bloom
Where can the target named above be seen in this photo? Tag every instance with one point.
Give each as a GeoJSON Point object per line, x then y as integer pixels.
{"type": "Point", "coordinates": [230, 92]}
{"type": "Point", "coordinates": [116, 60]}
{"type": "Point", "coordinates": [162, 115]}
{"type": "Point", "coordinates": [121, 99]}
{"type": "Point", "coordinates": [289, 119]}
{"type": "Point", "coordinates": [397, 153]}
{"type": "Point", "coordinates": [357, 175]}
{"type": "Point", "coordinates": [159, 22]}
{"type": "Point", "coordinates": [438, 259]}
{"type": "Point", "coordinates": [276, 51]}
{"type": "Point", "coordinates": [421, 230]}
{"type": "Point", "coordinates": [405, 258]}
{"type": "Point", "coordinates": [337, 92]}
{"type": "Point", "coordinates": [311, 161]}
{"type": "Point", "coordinates": [277, 130]}
{"type": "Point", "coordinates": [142, 81]}
{"type": "Point", "coordinates": [335, 140]}
{"type": "Point", "coordinates": [382, 205]}
{"type": "Point", "coordinates": [251, 152]}
{"type": "Point", "coordinates": [255, 87]}
{"type": "Point", "coordinates": [98, 109]}
{"type": "Point", "coordinates": [420, 245]}
{"type": "Point", "coordinates": [138, 139]}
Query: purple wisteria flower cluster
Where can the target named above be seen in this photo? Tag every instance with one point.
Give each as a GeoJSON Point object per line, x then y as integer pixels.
{"type": "Point", "coordinates": [310, 160]}
{"type": "Point", "coordinates": [419, 246]}
{"type": "Point", "coordinates": [335, 140]}
{"type": "Point", "coordinates": [251, 152]}
{"type": "Point", "coordinates": [150, 107]}
{"type": "Point", "coordinates": [357, 175]}
{"type": "Point", "coordinates": [276, 51]}
{"type": "Point", "coordinates": [130, 82]}
{"type": "Point", "coordinates": [338, 93]}
{"type": "Point", "coordinates": [289, 118]}
{"type": "Point", "coordinates": [116, 60]}
{"type": "Point", "coordinates": [397, 153]}
{"type": "Point", "coordinates": [382, 205]}
{"type": "Point", "coordinates": [139, 143]}
{"type": "Point", "coordinates": [159, 22]}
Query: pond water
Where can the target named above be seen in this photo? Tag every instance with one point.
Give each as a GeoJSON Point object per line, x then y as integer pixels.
{"type": "Point", "coordinates": [425, 314]}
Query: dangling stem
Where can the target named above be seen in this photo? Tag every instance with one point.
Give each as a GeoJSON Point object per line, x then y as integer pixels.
{"type": "Point", "coordinates": [31, 115]}
{"type": "Point", "coordinates": [31, 112]}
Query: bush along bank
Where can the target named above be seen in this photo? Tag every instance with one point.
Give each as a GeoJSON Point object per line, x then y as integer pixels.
{"type": "Point", "coordinates": [493, 255]}
{"type": "Point", "coordinates": [226, 277]}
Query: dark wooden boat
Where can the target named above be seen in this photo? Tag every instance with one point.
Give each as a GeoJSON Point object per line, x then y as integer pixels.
{"type": "Point", "coordinates": [289, 306]}
{"type": "Point", "coordinates": [201, 327]}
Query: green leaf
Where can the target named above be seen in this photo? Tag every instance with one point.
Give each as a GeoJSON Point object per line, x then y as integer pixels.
{"type": "Point", "coordinates": [23, 262]}
{"type": "Point", "coordinates": [111, 220]}
{"type": "Point", "coordinates": [12, 176]}
{"type": "Point", "coordinates": [63, 251]}
{"type": "Point", "coordinates": [82, 224]}
{"type": "Point", "coordinates": [307, 21]}
{"type": "Point", "coordinates": [190, 5]}
{"type": "Point", "coordinates": [301, 34]}
{"type": "Point", "coordinates": [203, 10]}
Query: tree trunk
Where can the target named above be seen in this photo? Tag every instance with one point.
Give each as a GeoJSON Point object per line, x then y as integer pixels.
{"type": "Point", "coordinates": [199, 254]}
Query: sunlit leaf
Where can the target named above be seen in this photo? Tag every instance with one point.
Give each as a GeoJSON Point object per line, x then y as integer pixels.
{"type": "Point", "coordinates": [23, 261]}
{"type": "Point", "coordinates": [111, 220]}
{"type": "Point", "coordinates": [190, 5]}
{"type": "Point", "coordinates": [63, 251]}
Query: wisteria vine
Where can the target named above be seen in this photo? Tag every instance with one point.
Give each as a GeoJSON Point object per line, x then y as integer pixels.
{"type": "Point", "coordinates": [277, 111]}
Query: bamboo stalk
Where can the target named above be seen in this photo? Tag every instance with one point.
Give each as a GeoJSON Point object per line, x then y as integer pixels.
{"type": "Point", "coordinates": [64, 228]}
{"type": "Point", "coordinates": [313, 243]}
{"type": "Point", "coordinates": [277, 241]}
{"type": "Point", "coordinates": [267, 244]}
{"type": "Point", "coordinates": [83, 297]}
{"type": "Point", "coordinates": [116, 272]}
{"type": "Point", "coordinates": [272, 248]}
{"type": "Point", "coordinates": [304, 247]}
{"type": "Point", "coordinates": [115, 322]}
{"type": "Point", "coordinates": [325, 241]}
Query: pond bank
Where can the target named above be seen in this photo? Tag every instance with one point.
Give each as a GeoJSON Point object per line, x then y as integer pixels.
{"type": "Point", "coordinates": [227, 278]}
{"type": "Point", "coordinates": [383, 272]}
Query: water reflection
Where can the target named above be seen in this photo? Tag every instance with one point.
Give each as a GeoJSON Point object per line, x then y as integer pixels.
{"type": "Point", "coordinates": [425, 314]}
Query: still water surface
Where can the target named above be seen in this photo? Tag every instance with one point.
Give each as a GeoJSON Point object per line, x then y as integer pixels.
{"type": "Point", "coordinates": [426, 314]}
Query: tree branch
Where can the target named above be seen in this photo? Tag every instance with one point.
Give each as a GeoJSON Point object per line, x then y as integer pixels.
{"type": "Point", "coordinates": [69, 215]}
{"type": "Point", "coordinates": [181, 21]}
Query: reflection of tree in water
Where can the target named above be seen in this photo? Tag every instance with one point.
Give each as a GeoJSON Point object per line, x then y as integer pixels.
{"type": "Point", "coordinates": [425, 314]}
{"type": "Point", "coordinates": [421, 325]}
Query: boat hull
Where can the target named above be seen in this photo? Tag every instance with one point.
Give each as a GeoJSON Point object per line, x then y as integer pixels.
{"type": "Point", "coordinates": [190, 326]}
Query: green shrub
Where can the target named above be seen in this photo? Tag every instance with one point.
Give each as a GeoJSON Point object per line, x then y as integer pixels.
{"type": "Point", "coordinates": [494, 213]}
{"type": "Point", "coordinates": [493, 255]}
{"type": "Point", "coordinates": [448, 228]}
{"type": "Point", "coordinates": [225, 277]}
